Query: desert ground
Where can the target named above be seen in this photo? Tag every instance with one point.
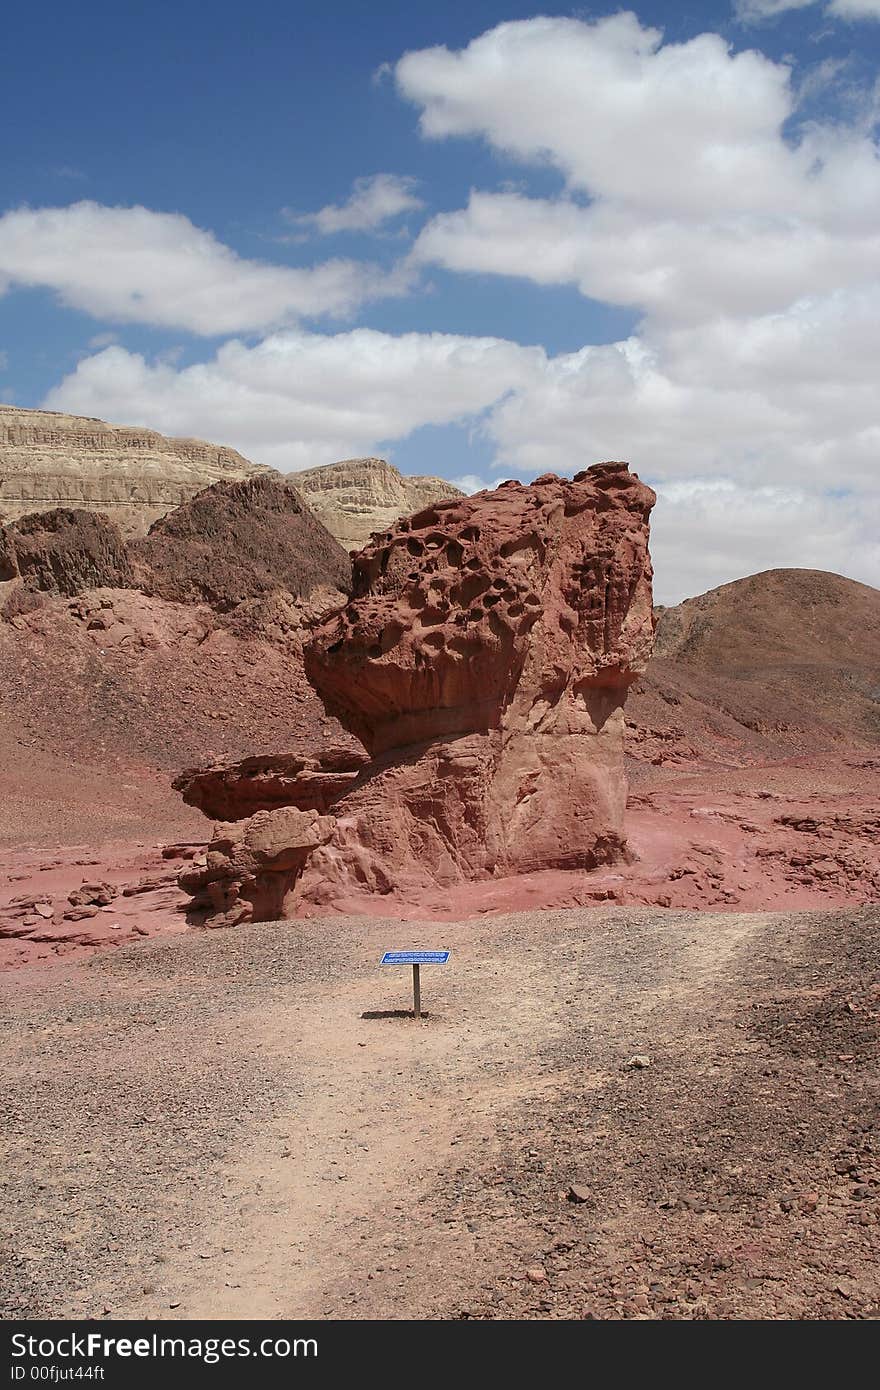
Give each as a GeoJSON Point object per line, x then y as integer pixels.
{"type": "Point", "coordinates": [645, 1085]}
{"type": "Point", "coordinates": [249, 1124]}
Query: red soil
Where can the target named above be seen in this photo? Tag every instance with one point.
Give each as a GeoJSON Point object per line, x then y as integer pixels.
{"type": "Point", "coordinates": [105, 698]}
{"type": "Point", "coordinates": [753, 758]}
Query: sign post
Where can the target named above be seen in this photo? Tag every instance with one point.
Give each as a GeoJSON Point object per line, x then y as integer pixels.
{"type": "Point", "coordinates": [416, 959]}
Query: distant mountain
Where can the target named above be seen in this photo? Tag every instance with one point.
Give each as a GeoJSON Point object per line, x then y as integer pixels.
{"type": "Point", "coordinates": [135, 476]}
{"type": "Point", "coordinates": [359, 496]}
{"type": "Point", "coordinates": [785, 662]}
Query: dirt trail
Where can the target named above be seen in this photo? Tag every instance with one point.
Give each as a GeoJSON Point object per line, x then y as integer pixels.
{"type": "Point", "coordinates": [210, 1126]}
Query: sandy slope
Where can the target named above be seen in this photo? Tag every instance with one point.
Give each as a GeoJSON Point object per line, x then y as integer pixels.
{"type": "Point", "coordinates": [227, 1130]}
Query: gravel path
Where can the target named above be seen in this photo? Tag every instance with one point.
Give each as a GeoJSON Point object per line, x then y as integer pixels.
{"type": "Point", "coordinates": [209, 1125]}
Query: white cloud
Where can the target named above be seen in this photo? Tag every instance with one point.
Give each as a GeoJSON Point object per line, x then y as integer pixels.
{"type": "Point", "coordinates": [855, 9]}
{"type": "Point", "coordinates": [101, 340]}
{"type": "Point", "coordinates": [299, 399]}
{"type": "Point", "coordinates": [471, 482]}
{"type": "Point", "coordinates": [750, 10]}
{"type": "Point", "coordinates": [698, 203]}
{"type": "Point", "coordinates": [748, 391]}
{"type": "Point", "coordinates": [705, 532]}
{"type": "Point", "coordinates": [792, 396]}
{"type": "Point", "coordinates": [664, 129]}
{"type": "Point", "coordinates": [676, 270]}
{"type": "Point", "coordinates": [132, 265]}
{"type": "Point", "coordinates": [373, 202]}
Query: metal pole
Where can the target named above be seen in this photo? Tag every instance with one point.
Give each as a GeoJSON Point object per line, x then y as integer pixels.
{"type": "Point", "coordinates": [417, 993]}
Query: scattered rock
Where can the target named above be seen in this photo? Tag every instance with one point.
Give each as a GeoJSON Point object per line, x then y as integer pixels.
{"type": "Point", "coordinates": [253, 865]}
{"type": "Point", "coordinates": [101, 894]}
{"type": "Point", "coordinates": [578, 1193]}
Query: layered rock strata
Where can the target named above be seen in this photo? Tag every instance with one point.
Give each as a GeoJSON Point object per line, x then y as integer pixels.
{"type": "Point", "coordinates": [49, 459]}
{"type": "Point", "coordinates": [358, 497]}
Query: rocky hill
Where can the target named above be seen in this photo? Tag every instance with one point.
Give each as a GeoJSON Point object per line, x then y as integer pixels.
{"type": "Point", "coordinates": [359, 496]}
{"type": "Point", "coordinates": [233, 543]}
{"type": "Point", "coordinates": [240, 541]}
{"type": "Point", "coordinates": [138, 656]}
{"type": "Point", "coordinates": [775, 665]}
{"type": "Point", "coordinates": [50, 460]}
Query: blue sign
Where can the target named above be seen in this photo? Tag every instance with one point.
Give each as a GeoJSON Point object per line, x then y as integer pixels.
{"type": "Point", "coordinates": [415, 958]}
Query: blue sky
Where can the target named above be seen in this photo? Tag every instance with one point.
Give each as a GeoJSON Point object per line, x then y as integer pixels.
{"type": "Point", "coordinates": [531, 243]}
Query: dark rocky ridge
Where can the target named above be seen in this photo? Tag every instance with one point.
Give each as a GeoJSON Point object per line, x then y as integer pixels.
{"type": "Point", "coordinates": [63, 552]}
{"type": "Point", "coordinates": [237, 541]}
{"type": "Point", "coordinates": [233, 542]}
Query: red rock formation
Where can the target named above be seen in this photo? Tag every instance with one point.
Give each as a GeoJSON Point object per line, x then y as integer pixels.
{"type": "Point", "coordinates": [252, 867]}
{"type": "Point", "coordinates": [484, 659]}
{"type": "Point", "coordinates": [230, 791]}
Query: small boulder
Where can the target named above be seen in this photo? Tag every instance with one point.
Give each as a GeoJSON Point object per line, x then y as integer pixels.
{"type": "Point", "coordinates": [97, 894]}
{"type": "Point", "coordinates": [578, 1193]}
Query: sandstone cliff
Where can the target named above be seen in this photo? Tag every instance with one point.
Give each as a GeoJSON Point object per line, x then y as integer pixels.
{"type": "Point", "coordinates": [483, 661]}
{"type": "Point", "coordinates": [359, 496]}
{"type": "Point", "coordinates": [49, 460]}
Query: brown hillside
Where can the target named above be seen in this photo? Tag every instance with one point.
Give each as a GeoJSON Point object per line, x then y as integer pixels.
{"type": "Point", "coordinates": [63, 552]}
{"type": "Point", "coordinates": [238, 541]}
{"type": "Point", "coordinates": [122, 663]}
{"type": "Point", "coordinates": [783, 662]}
